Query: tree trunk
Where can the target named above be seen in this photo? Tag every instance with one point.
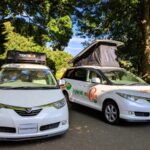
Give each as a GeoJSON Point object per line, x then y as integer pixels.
{"type": "Point", "coordinates": [146, 27]}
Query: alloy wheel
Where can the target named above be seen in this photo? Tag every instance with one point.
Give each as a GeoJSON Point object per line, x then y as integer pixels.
{"type": "Point", "coordinates": [111, 113]}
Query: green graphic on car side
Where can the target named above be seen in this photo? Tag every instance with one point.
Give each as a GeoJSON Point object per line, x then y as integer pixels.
{"type": "Point", "coordinates": [95, 101]}
{"type": "Point", "coordinates": [68, 86]}
{"type": "Point", "coordinates": [82, 93]}
{"type": "Point", "coordinates": [78, 92]}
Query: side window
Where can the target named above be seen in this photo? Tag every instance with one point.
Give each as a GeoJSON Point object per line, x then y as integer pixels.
{"type": "Point", "coordinates": [92, 74]}
{"type": "Point", "coordinates": [69, 74]}
{"type": "Point", "coordinates": [80, 74]}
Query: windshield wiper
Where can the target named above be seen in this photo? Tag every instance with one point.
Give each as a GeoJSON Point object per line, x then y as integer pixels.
{"type": "Point", "coordinates": [10, 81]}
{"type": "Point", "coordinates": [5, 87]}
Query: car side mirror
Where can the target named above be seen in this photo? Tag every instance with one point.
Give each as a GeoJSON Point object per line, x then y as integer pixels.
{"type": "Point", "coordinates": [61, 82]}
{"type": "Point", "coordinates": [96, 80]}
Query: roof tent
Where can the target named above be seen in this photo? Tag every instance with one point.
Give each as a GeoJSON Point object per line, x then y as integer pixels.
{"type": "Point", "coordinates": [100, 52]}
{"type": "Point", "coordinates": [14, 56]}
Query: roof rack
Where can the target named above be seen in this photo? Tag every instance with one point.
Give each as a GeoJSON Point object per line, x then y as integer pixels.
{"type": "Point", "coordinates": [14, 56]}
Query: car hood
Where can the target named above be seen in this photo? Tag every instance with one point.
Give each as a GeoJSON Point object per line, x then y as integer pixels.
{"type": "Point", "coordinates": [29, 98]}
{"type": "Point", "coordinates": [136, 88]}
{"type": "Point", "coordinates": [133, 90]}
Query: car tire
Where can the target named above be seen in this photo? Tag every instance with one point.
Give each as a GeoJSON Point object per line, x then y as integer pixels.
{"type": "Point", "coordinates": [111, 112]}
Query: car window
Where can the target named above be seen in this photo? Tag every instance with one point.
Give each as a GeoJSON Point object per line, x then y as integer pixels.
{"type": "Point", "coordinates": [25, 77]}
{"type": "Point", "coordinates": [80, 74]}
{"type": "Point", "coordinates": [122, 77]}
{"type": "Point", "coordinates": [69, 74]}
{"type": "Point", "coordinates": [92, 74]}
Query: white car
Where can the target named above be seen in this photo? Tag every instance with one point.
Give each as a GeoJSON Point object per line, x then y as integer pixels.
{"type": "Point", "coordinates": [31, 103]}
{"type": "Point", "coordinates": [112, 90]}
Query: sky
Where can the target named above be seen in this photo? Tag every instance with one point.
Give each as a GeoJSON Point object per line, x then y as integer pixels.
{"type": "Point", "coordinates": [75, 44]}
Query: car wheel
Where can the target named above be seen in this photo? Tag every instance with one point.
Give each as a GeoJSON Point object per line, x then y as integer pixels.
{"type": "Point", "coordinates": [111, 112]}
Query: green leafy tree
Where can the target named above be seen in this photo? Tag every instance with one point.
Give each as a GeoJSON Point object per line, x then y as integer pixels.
{"type": "Point", "coordinates": [36, 18]}
{"type": "Point", "coordinates": [2, 38]}
{"type": "Point", "coordinates": [56, 60]}
{"type": "Point", "coordinates": [127, 21]}
{"type": "Point", "coordinates": [15, 41]}
{"type": "Point", "coordinates": [61, 60]}
{"type": "Point", "coordinates": [59, 31]}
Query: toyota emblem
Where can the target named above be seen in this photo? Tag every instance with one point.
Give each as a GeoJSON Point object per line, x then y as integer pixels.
{"type": "Point", "coordinates": [29, 110]}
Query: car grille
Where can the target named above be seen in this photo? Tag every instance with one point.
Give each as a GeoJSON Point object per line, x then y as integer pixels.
{"type": "Point", "coordinates": [142, 114]}
{"type": "Point", "coordinates": [49, 126]}
{"type": "Point", "coordinates": [7, 129]}
{"type": "Point", "coordinates": [26, 113]}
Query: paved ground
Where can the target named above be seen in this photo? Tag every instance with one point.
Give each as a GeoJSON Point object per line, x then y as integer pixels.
{"type": "Point", "coordinates": [89, 132]}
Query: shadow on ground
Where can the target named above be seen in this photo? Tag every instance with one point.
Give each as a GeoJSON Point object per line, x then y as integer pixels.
{"type": "Point", "coordinates": [99, 116]}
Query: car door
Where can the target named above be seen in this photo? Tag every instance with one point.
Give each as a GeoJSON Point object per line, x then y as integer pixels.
{"type": "Point", "coordinates": [88, 85]}
{"type": "Point", "coordinates": [69, 86]}
{"type": "Point", "coordinates": [89, 88]}
{"type": "Point", "coordinates": [75, 83]}
{"type": "Point", "coordinates": [79, 85]}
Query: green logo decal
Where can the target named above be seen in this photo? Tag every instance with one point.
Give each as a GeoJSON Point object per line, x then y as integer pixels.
{"type": "Point", "coordinates": [78, 92]}
{"type": "Point", "coordinates": [68, 86]}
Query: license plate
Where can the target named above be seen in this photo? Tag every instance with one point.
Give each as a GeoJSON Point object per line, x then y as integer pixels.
{"type": "Point", "coordinates": [28, 128]}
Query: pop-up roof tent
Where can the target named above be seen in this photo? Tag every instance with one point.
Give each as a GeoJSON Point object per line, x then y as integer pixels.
{"type": "Point", "coordinates": [100, 52]}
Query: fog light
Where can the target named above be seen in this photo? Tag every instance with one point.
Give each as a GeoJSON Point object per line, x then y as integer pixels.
{"type": "Point", "coordinates": [131, 113]}
{"type": "Point", "coordinates": [64, 122]}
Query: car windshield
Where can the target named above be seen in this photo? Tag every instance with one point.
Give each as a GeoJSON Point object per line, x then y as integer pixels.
{"type": "Point", "coordinates": [121, 76]}
{"type": "Point", "coordinates": [27, 78]}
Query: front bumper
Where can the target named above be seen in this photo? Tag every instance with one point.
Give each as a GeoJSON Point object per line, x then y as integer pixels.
{"type": "Point", "coordinates": [32, 137]}
{"type": "Point", "coordinates": [45, 121]}
{"type": "Point", "coordinates": [133, 111]}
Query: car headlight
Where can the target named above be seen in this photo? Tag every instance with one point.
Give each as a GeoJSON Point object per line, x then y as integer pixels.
{"type": "Point", "coordinates": [3, 106]}
{"type": "Point", "coordinates": [59, 104]}
{"type": "Point", "coordinates": [132, 97]}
